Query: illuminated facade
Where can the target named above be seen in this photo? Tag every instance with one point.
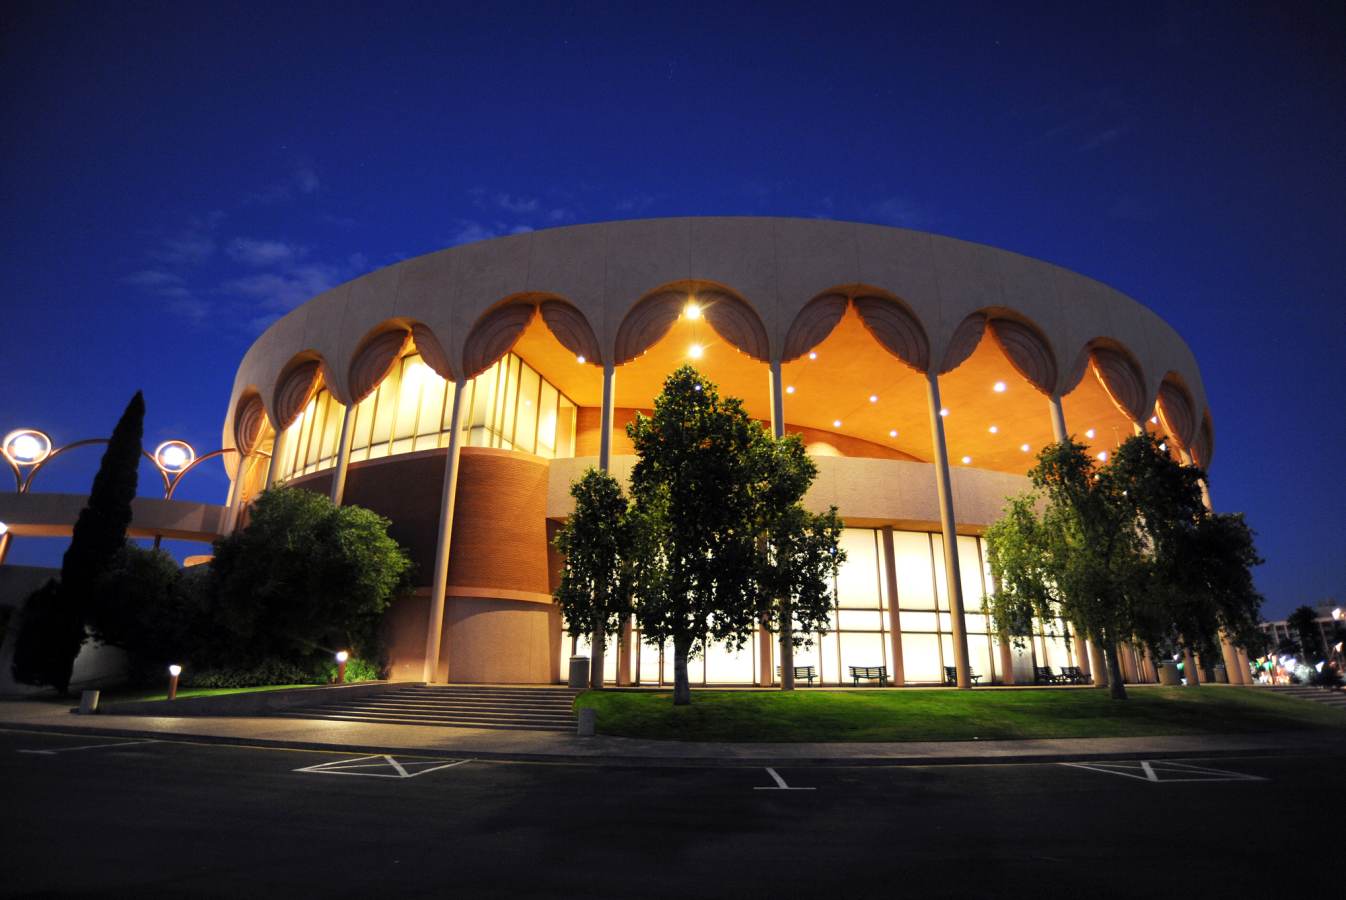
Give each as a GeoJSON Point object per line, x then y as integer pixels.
{"type": "Point", "coordinates": [923, 374]}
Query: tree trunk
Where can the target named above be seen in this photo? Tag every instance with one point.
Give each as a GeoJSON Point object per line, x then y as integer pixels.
{"type": "Point", "coordinates": [1189, 667]}
{"type": "Point", "coordinates": [1117, 689]}
{"type": "Point", "coordinates": [596, 660]}
{"type": "Point", "coordinates": [787, 647]}
{"type": "Point", "coordinates": [682, 690]}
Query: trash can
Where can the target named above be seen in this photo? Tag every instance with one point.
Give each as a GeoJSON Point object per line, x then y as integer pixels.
{"type": "Point", "coordinates": [1168, 674]}
{"type": "Point", "coordinates": [1220, 675]}
{"type": "Point", "coordinates": [579, 672]}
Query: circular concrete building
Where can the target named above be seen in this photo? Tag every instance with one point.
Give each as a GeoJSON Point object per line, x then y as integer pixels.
{"type": "Point", "coordinates": [460, 393]}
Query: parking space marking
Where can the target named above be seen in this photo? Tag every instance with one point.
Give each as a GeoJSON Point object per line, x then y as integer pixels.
{"type": "Point", "coordinates": [86, 747]}
{"type": "Point", "coordinates": [780, 783]}
{"type": "Point", "coordinates": [382, 766]}
{"type": "Point", "coordinates": [1164, 771]}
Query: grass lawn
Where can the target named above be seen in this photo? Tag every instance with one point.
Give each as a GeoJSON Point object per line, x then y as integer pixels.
{"type": "Point", "coordinates": [919, 714]}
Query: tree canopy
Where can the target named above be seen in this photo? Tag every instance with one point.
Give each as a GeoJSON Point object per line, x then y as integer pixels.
{"type": "Point", "coordinates": [595, 589]}
{"type": "Point", "coordinates": [1122, 551]}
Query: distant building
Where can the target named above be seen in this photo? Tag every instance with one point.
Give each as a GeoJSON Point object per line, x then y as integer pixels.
{"type": "Point", "coordinates": [1330, 618]}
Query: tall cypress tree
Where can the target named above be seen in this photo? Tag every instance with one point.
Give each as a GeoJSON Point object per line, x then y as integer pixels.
{"type": "Point", "coordinates": [52, 629]}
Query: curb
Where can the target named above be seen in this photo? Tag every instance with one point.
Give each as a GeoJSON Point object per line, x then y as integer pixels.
{"type": "Point", "coordinates": [715, 762]}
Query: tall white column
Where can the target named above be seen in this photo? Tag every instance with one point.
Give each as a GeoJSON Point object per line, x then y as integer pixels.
{"type": "Point", "coordinates": [271, 465]}
{"type": "Point", "coordinates": [434, 630]}
{"type": "Point", "coordinates": [235, 499]}
{"type": "Point", "coordinates": [1059, 432]}
{"type": "Point", "coordinates": [605, 439]}
{"type": "Point", "coordinates": [787, 644]}
{"type": "Point", "coordinates": [944, 488]}
{"type": "Point", "coordinates": [598, 640]}
{"type": "Point", "coordinates": [343, 456]}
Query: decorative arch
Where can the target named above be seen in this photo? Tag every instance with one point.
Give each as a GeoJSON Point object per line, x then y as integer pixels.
{"type": "Point", "coordinates": [493, 335]}
{"type": "Point", "coordinates": [1204, 445]}
{"type": "Point", "coordinates": [896, 329]}
{"type": "Point", "coordinates": [647, 322]}
{"type": "Point", "coordinates": [735, 321]}
{"type": "Point", "coordinates": [374, 360]}
{"type": "Point", "coordinates": [1176, 410]}
{"type": "Point", "coordinates": [814, 323]}
{"type": "Point", "coordinates": [965, 339]}
{"type": "Point", "coordinates": [294, 389]}
{"type": "Point", "coordinates": [1027, 350]}
{"type": "Point", "coordinates": [432, 351]}
{"type": "Point", "coordinates": [1122, 379]}
{"type": "Point", "coordinates": [249, 416]}
{"type": "Point", "coordinates": [571, 329]}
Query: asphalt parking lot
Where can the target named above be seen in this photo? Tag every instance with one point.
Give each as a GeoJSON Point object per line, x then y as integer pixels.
{"type": "Point", "coordinates": [88, 815]}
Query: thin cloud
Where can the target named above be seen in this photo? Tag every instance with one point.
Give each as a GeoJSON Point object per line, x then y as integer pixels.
{"type": "Point", "coordinates": [303, 180]}
{"type": "Point", "coordinates": [254, 252]}
{"type": "Point", "coordinates": [470, 231]}
{"type": "Point", "coordinates": [152, 278]}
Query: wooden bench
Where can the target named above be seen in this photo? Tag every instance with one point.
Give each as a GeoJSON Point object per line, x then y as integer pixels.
{"type": "Point", "coordinates": [805, 673]}
{"type": "Point", "coordinates": [1044, 675]}
{"type": "Point", "coordinates": [951, 676]}
{"type": "Point", "coordinates": [870, 673]}
{"type": "Point", "coordinates": [1074, 675]}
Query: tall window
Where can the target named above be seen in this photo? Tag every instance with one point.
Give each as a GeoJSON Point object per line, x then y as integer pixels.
{"type": "Point", "coordinates": [509, 406]}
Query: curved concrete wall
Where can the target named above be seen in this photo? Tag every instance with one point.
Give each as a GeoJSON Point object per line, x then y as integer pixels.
{"type": "Point", "coordinates": [776, 265]}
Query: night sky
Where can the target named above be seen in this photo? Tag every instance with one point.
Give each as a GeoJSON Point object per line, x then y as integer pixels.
{"type": "Point", "coordinates": [175, 177]}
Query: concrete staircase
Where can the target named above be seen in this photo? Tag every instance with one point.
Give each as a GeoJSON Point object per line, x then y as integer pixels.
{"type": "Point", "coordinates": [457, 706]}
{"type": "Point", "coordinates": [1336, 699]}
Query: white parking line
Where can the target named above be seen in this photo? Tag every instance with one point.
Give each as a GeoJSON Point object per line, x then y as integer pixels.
{"type": "Point", "coordinates": [1164, 771]}
{"type": "Point", "coordinates": [381, 766]}
{"type": "Point", "coordinates": [86, 747]}
{"type": "Point", "coordinates": [780, 783]}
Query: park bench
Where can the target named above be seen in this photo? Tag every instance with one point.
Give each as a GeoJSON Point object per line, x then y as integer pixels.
{"type": "Point", "coordinates": [804, 673]}
{"type": "Point", "coordinates": [869, 672]}
{"type": "Point", "coordinates": [1074, 675]}
{"type": "Point", "coordinates": [1045, 675]}
{"type": "Point", "coordinates": [951, 676]}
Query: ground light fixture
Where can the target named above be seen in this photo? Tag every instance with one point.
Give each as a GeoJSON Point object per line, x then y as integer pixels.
{"type": "Point", "coordinates": [173, 672]}
{"type": "Point", "coordinates": [341, 657]}
{"type": "Point", "coordinates": [26, 446]}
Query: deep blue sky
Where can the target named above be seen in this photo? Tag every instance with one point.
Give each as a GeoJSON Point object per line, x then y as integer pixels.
{"type": "Point", "coordinates": [176, 176]}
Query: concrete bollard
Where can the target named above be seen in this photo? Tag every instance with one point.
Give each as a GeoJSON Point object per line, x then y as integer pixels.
{"type": "Point", "coordinates": [588, 722]}
{"type": "Point", "coordinates": [88, 703]}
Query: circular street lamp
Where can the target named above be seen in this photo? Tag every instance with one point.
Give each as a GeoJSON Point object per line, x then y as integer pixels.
{"type": "Point", "coordinates": [174, 457]}
{"type": "Point", "coordinates": [26, 446]}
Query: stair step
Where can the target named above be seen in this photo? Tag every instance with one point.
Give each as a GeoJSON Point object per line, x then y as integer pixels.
{"type": "Point", "coordinates": [440, 714]}
{"type": "Point", "coordinates": [442, 723]}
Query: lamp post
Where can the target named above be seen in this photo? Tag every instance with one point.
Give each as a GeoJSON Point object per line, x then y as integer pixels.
{"type": "Point", "coordinates": [341, 658]}
{"type": "Point", "coordinates": [173, 672]}
{"type": "Point", "coordinates": [173, 459]}
{"type": "Point", "coordinates": [24, 449]}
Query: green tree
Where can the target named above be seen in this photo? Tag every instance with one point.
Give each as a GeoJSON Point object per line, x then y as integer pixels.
{"type": "Point", "coordinates": [1200, 583]}
{"type": "Point", "coordinates": [1303, 623]}
{"type": "Point", "coordinates": [148, 608]}
{"type": "Point", "coordinates": [1079, 558]}
{"type": "Point", "coordinates": [595, 589]}
{"type": "Point", "coordinates": [695, 487]}
{"type": "Point", "coordinates": [799, 556]}
{"type": "Point", "coordinates": [51, 635]}
{"type": "Point", "coordinates": [305, 578]}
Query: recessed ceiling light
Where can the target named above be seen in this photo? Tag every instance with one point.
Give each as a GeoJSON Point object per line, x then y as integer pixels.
{"type": "Point", "coordinates": [790, 389]}
{"type": "Point", "coordinates": [998, 387]}
{"type": "Point", "coordinates": [893, 433]}
{"type": "Point", "coordinates": [873, 398]}
{"type": "Point", "coordinates": [967, 460]}
{"type": "Point", "coordinates": [691, 310]}
{"type": "Point", "coordinates": [812, 355]}
{"type": "Point", "coordinates": [993, 429]}
{"type": "Point", "coordinates": [1023, 447]}
{"type": "Point", "coordinates": [1154, 420]}
{"type": "Point", "coordinates": [836, 423]}
{"type": "Point", "coordinates": [1164, 447]}
{"type": "Point", "coordinates": [580, 359]}
{"type": "Point", "coordinates": [1103, 456]}
{"type": "Point", "coordinates": [1089, 434]}
{"type": "Point", "coordinates": [695, 351]}
{"type": "Point", "coordinates": [943, 411]}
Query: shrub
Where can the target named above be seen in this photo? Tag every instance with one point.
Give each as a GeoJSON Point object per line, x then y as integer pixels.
{"type": "Point", "coordinates": [266, 672]}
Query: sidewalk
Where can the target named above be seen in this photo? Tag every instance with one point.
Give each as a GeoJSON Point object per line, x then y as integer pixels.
{"type": "Point", "coordinates": [556, 747]}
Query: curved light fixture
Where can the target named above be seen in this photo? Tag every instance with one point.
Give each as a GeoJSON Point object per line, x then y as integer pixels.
{"type": "Point", "coordinates": [26, 446]}
{"type": "Point", "coordinates": [174, 456]}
